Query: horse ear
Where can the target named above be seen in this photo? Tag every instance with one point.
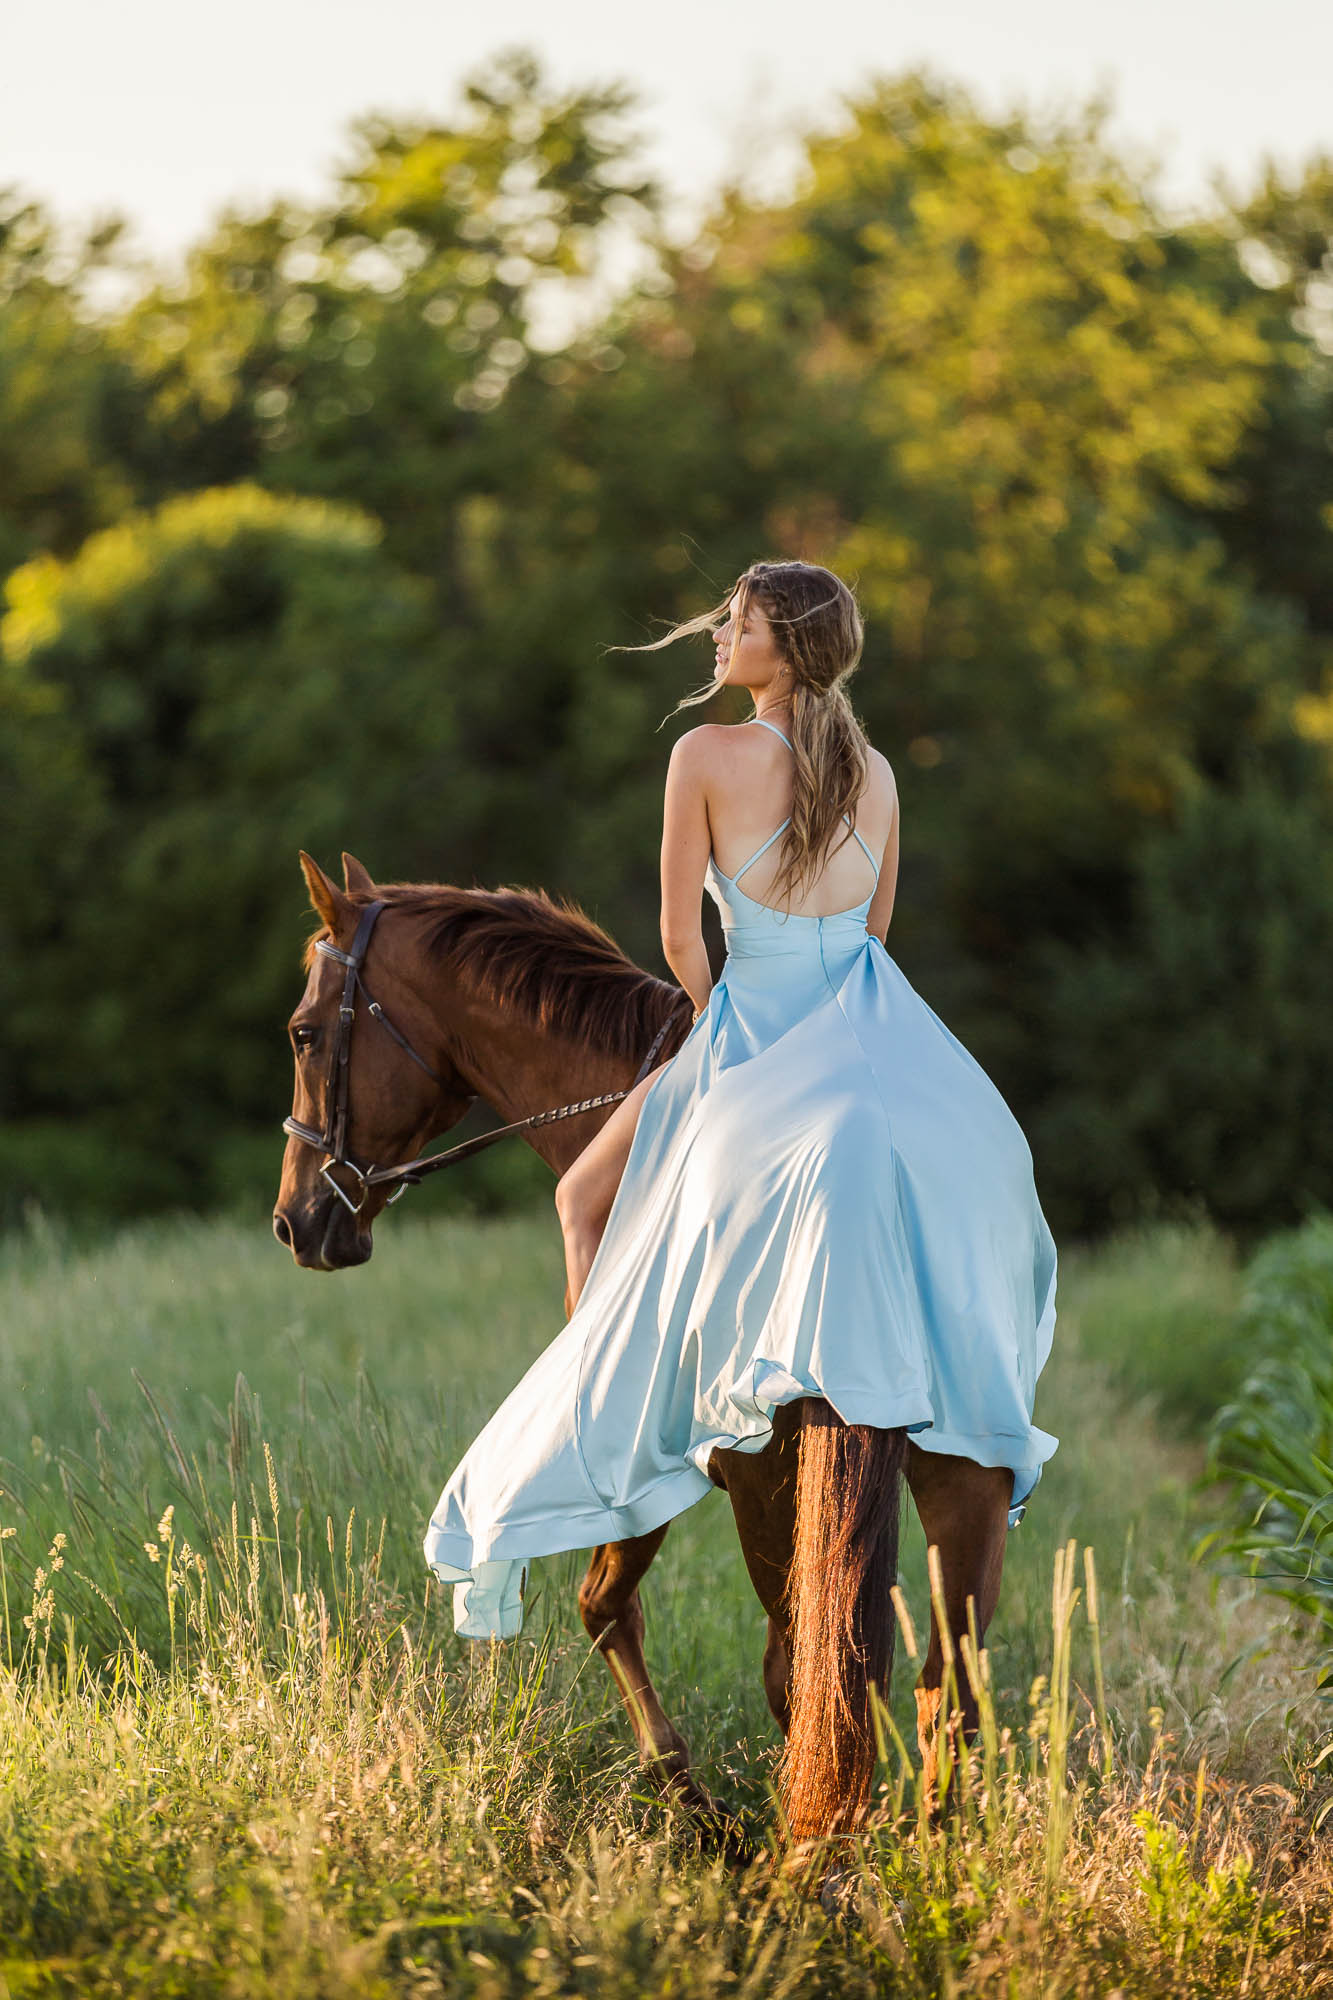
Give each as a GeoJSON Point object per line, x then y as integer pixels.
{"type": "Point", "coordinates": [356, 879]}
{"type": "Point", "coordinates": [327, 899]}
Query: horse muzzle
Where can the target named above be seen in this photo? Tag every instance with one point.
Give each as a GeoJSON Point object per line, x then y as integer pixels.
{"type": "Point", "coordinates": [323, 1233]}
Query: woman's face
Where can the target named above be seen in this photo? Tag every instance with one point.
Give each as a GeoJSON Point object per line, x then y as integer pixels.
{"type": "Point", "coordinates": [750, 658]}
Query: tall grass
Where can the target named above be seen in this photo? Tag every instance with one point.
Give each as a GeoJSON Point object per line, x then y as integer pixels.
{"type": "Point", "coordinates": [1157, 1309]}
{"type": "Point", "coordinates": [241, 1749]}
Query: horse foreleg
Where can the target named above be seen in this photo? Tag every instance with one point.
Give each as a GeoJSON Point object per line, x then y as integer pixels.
{"type": "Point", "coordinates": [613, 1616]}
{"type": "Point", "coordinates": [964, 1510]}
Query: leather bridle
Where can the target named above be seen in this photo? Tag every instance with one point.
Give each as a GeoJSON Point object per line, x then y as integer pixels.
{"type": "Point", "coordinates": [332, 1141]}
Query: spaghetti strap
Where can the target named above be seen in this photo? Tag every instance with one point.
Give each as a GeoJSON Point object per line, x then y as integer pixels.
{"type": "Point", "coordinates": [760, 850]}
{"type": "Point", "coordinates": [876, 865]}
{"type": "Point", "coordinates": [786, 822]}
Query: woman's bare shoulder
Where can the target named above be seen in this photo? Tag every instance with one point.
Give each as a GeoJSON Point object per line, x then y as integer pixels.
{"type": "Point", "coordinates": [712, 748]}
{"type": "Point", "coordinates": [879, 774]}
{"type": "Point", "coordinates": [704, 738]}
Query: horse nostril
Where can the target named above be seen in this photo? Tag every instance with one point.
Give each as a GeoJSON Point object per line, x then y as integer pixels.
{"type": "Point", "coordinates": [282, 1229]}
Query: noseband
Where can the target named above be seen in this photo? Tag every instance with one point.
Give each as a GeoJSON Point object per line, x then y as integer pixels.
{"type": "Point", "coordinates": [332, 1141]}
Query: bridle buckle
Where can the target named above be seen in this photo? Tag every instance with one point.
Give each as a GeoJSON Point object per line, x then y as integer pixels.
{"type": "Point", "coordinates": [352, 1207]}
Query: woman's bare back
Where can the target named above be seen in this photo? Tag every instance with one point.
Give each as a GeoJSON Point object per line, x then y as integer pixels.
{"type": "Point", "coordinates": [752, 795]}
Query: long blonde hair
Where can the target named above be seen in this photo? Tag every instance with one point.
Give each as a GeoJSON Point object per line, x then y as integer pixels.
{"type": "Point", "coordinates": [817, 625]}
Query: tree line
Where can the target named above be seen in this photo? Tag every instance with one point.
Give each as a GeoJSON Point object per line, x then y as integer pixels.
{"type": "Point", "coordinates": [318, 547]}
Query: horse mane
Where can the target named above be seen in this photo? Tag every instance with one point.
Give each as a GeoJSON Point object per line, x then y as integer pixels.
{"type": "Point", "coordinates": [544, 958]}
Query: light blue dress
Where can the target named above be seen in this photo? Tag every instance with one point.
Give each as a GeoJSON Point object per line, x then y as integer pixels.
{"type": "Point", "coordinates": [825, 1196]}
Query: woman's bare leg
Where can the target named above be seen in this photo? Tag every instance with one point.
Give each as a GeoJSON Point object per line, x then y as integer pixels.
{"type": "Point", "coordinates": [585, 1192]}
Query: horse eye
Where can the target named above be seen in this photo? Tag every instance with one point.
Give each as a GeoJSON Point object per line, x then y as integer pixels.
{"type": "Point", "coordinates": [303, 1038]}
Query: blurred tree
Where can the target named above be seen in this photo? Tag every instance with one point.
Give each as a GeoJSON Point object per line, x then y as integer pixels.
{"type": "Point", "coordinates": [199, 693]}
{"type": "Point", "coordinates": [1194, 1058]}
{"type": "Point", "coordinates": [1279, 520]}
{"type": "Point", "coordinates": [1055, 441]}
{"type": "Point", "coordinates": [57, 377]}
{"type": "Point", "coordinates": [355, 349]}
{"type": "Point", "coordinates": [380, 349]}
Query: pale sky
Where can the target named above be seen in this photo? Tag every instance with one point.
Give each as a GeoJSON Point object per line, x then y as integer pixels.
{"type": "Point", "coordinates": [166, 111]}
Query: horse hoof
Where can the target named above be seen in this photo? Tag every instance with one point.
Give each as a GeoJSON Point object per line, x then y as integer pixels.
{"type": "Point", "coordinates": [715, 1826]}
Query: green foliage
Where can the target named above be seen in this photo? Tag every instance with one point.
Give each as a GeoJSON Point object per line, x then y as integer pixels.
{"type": "Point", "coordinates": [59, 476]}
{"type": "Point", "coordinates": [198, 694]}
{"type": "Point", "coordinates": [1273, 1444]}
{"type": "Point", "coordinates": [1074, 456]}
{"type": "Point", "coordinates": [1279, 519]}
{"type": "Point", "coordinates": [354, 349]}
{"type": "Point", "coordinates": [84, 1170]}
{"type": "Point", "coordinates": [1193, 1050]}
{"type": "Point", "coordinates": [1226, 1908]}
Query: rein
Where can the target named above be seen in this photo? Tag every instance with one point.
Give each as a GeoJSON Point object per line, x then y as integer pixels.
{"type": "Point", "coordinates": [332, 1141]}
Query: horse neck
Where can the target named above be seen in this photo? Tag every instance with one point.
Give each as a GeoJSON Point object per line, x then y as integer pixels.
{"type": "Point", "coordinates": [519, 1069]}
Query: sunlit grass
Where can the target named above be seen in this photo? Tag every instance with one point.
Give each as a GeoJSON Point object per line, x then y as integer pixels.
{"type": "Point", "coordinates": [265, 1763]}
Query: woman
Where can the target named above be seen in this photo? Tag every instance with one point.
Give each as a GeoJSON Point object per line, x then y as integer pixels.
{"type": "Point", "coordinates": [821, 1194]}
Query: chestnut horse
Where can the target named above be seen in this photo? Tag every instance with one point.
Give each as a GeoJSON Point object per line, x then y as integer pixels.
{"type": "Point", "coordinates": [505, 995]}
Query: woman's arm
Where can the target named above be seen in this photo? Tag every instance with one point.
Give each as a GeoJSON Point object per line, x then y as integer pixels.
{"type": "Point", "coordinates": [881, 908]}
{"type": "Point", "coordinates": [686, 844]}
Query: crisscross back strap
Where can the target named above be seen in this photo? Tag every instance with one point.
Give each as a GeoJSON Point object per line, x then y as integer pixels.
{"type": "Point", "coordinates": [786, 822]}
{"type": "Point", "coordinates": [761, 850]}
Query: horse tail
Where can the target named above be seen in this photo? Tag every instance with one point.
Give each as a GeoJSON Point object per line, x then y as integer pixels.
{"type": "Point", "coordinates": [845, 1565]}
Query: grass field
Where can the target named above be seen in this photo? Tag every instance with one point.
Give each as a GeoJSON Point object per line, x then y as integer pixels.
{"type": "Point", "coordinates": [253, 1758]}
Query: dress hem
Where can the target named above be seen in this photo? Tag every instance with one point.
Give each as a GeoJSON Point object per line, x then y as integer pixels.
{"type": "Point", "coordinates": [515, 1546]}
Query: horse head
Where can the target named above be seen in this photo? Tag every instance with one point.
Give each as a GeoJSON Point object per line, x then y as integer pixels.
{"type": "Point", "coordinates": [365, 991]}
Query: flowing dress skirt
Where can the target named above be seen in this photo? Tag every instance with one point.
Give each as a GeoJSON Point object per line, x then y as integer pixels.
{"type": "Point", "coordinates": [825, 1196]}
